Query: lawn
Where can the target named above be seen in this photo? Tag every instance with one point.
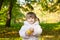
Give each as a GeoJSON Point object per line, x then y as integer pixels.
{"type": "Point", "coordinates": [51, 31]}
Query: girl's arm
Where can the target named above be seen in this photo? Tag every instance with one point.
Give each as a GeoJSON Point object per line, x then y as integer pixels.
{"type": "Point", "coordinates": [37, 31]}
{"type": "Point", "coordinates": [22, 32]}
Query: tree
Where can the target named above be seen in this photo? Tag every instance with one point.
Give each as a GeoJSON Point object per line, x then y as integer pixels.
{"type": "Point", "coordinates": [1, 2]}
{"type": "Point", "coordinates": [9, 12]}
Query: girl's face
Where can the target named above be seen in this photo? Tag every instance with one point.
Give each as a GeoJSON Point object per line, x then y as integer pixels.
{"type": "Point", "coordinates": [31, 20]}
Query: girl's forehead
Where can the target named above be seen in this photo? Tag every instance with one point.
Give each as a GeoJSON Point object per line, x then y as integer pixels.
{"type": "Point", "coordinates": [30, 16]}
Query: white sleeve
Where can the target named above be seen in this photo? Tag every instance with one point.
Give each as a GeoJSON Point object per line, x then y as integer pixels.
{"type": "Point", "coordinates": [22, 32]}
{"type": "Point", "coordinates": [37, 31]}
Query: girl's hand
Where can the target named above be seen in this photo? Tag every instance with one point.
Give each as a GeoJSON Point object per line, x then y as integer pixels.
{"type": "Point", "coordinates": [31, 29]}
{"type": "Point", "coordinates": [29, 32]}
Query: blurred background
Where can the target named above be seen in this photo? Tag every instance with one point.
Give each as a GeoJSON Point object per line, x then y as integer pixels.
{"type": "Point", "coordinates": [12, 16]}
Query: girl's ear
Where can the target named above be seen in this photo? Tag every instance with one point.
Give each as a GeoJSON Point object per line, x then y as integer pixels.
{"type": "Point", "coordinates": [36, 19]}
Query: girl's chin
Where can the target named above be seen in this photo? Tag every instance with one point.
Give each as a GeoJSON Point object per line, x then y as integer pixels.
{"type": "Point", "coordinates": [31, 23]}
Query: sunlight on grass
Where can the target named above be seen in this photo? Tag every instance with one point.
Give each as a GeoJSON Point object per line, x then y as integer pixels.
{"type": "Point", "coordinates": [4, 38]}
{"type": "Point", "coordinates": [40, 38]}
{"type": "Point", "coordinates": [50, 36]}
{"type": "Point", "coordinates": [57, 28]}
{"type": "Point", "coordinates": [11, 38]}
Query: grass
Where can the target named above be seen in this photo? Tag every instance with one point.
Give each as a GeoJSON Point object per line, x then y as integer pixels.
{"type": "Point", "coordinates": [50, 32]}
{"type": "Point", "coordinates": [11, 38]}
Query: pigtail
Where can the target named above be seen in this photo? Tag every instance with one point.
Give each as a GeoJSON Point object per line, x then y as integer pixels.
{"type": "Point", "coordinates": [38, 19]}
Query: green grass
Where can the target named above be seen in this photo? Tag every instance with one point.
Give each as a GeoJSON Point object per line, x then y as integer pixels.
{"type": "Point", "coordinates": [11, 38]}
{"type": "Point", "coordinates": [49, 32]}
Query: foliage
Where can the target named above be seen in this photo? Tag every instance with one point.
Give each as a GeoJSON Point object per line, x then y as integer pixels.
{"type": "Point", "coordinates": [18, 15]}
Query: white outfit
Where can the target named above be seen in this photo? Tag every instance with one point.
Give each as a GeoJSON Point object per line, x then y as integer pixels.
{"type": "Point", "coordinates": [26, 26]}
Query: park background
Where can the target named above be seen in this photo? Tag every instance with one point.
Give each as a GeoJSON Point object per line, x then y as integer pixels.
{"type": "Point", "coordinates": [12, 16]}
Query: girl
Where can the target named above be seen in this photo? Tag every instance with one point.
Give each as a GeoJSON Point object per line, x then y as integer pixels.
{"type": "Point", "coordinates": [31, 29]}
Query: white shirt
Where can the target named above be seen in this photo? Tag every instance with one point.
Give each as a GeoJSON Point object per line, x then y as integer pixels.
{"type": "Point", "coordinates": [26, 26]}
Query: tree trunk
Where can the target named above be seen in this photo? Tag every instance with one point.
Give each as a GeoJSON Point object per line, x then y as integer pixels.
{"type": "Point", "coordinates": [1, 2]}
{"type": "Point", "coordinates": [9, 14]}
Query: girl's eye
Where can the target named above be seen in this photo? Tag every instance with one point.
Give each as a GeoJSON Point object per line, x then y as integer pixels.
{"type": "Point", "coordinates": [32, 18]}
{"type": "Point", "coordinates": [28, 18]}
